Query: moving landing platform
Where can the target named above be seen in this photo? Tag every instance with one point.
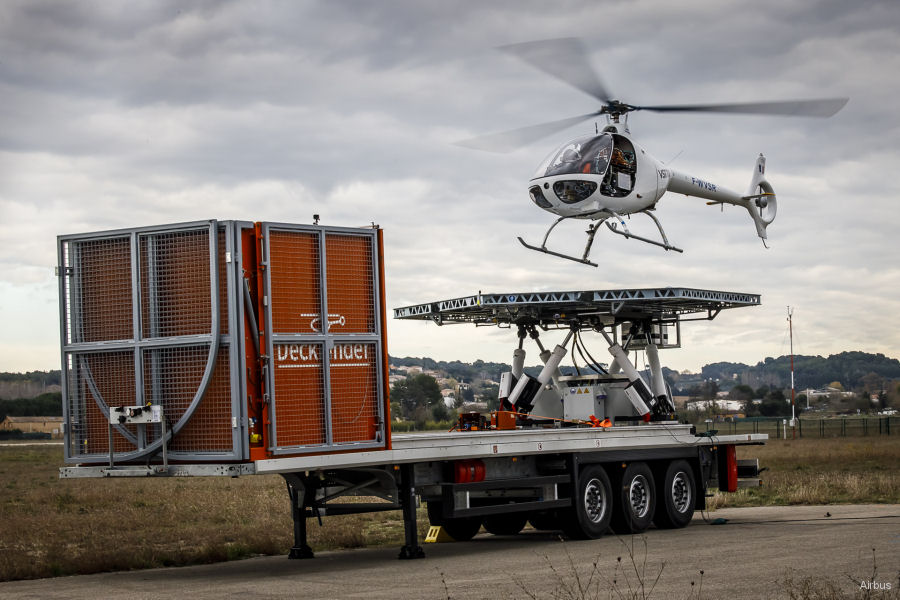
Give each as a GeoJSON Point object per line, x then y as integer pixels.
{"type": "Point", "coordinates": [667, 304]}
{"type": "Point", "coordinates": [647, 319]}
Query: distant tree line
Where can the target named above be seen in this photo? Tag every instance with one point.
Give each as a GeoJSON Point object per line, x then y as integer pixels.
{"type": "Point", "coordinates": [856, 370]}
{"type": "Point", "coordinates": [28, 385]}
{"type": "Point", "coordinates": [45, 405]}
{"type": "Point", "coordinates": [41, 377]}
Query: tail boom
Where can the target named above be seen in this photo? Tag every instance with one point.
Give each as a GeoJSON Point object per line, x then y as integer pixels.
{"type": "Point", "coordinates": [759, 201]}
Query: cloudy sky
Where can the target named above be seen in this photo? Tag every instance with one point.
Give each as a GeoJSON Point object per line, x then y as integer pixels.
{"type": "Point", "coordinates": [138, 113]}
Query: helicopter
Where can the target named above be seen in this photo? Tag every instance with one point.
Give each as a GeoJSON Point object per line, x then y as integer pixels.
{"type": "Point", "coordinates": [607, 176]}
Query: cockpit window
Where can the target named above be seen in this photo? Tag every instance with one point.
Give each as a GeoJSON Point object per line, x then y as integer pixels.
{"type": "Point", "coordinates": [588, 155]}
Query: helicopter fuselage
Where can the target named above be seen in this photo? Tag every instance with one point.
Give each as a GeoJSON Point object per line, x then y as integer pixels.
{"type": "Point", "coordinates": [608, 174]}
{"type": "Point", "coordinates": [595, 176]}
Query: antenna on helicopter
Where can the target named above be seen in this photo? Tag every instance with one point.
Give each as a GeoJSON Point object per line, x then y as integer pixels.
{"type": "Point", "coordinates": [671, 160]}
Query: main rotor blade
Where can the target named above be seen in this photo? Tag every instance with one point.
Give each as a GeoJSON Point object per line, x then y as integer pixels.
{"type": "Point", "coordinates": [507, 141]}
{"type": "Point", "coordinates": [565, 59]}
{"type": "Point", "coordinates": [821, 107]}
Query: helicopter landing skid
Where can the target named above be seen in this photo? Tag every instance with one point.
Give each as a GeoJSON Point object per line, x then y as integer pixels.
{"type": "Point", "coordinates": [592, 230]}
{"type": "Point", "coordinates": [627, 234]}
{"type": "Point", "coordinates": [544, 249]}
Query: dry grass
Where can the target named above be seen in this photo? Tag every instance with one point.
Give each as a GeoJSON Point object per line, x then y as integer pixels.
{"type": "Point", "coordinates": [822, 471]}
{"type": "Point", "coordinates": [53, 527]}
{"type": "Point", "coordinates": [632, 576]}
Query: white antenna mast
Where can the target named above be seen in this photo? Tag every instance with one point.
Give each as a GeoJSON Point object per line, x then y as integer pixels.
{"type": "Point", "coordinates": [791, 330]}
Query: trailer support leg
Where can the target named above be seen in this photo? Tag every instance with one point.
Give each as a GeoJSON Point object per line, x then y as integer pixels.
{"type": "Point", "coordinates": [411, 549]}
{"type": "Point", "coordinates": [297, 493]}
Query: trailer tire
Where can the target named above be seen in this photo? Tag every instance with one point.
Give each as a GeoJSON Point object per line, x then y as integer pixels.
{"type": "Point", "coordinates": [507, 524]}
{"type": "Point", "coordinates": [677, 494]}
{"type": "Point", "coordinates": [461, 529]}
{"type": "Point", "coordinates": [635, 500]}
{"type": "Point", "coordinates": [592, 505]}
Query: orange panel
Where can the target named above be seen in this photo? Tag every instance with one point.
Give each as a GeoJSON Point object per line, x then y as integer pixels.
{"type": "Point", "coordinates": [385, 382]}
{"type": "Point", "coordinates": [299, 394]}
{"type": "Point", "coordinates": [351, 300]}
{"type": "Point", "coordinates": [297, 299]}
{"type": "Point", "coordinates": [354, 392]}
{"type": "Point", "coordinates": [255, 409]}
{"type": "Point", "coordinates": [294, 269]}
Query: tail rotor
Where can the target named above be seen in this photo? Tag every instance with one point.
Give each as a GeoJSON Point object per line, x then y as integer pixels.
{"type": "Point", "coordinates": [761, 201]}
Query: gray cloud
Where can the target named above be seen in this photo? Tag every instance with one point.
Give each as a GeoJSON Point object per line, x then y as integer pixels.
{"type": "Point", "coordinates": [119, 115]}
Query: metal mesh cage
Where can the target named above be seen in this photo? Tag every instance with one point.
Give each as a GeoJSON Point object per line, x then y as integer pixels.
{"type": "Point", "coordinates": [153, 330]}
{"type": "Point", "coordinates": [351, 299]}
{"type": "Point", "coordinates": [96, 381]}
{"type": "Point", "coordinates": [175, 295]}
{"type": "Point", "coordinates": [223, 282]}
{"type": "Point", "coordinates": [157, 315]}
{"type": "Point", "coordinates": [172, 377]}
{"type": "Point", "coordinates": [325, 384]}
{"type": "Point", "coordinates": [98, 302]}
{"type": "Point", "coordinates": [299, 392]}
{"type": "Point", "coordinates": [295, 289]}
{"type": "Point", "coordinates": [354, 393]}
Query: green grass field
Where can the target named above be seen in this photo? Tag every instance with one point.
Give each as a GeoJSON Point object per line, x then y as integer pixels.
{"type": "Point", "coordinates": [822, 471]}
{"type": "Point", "coordinates": [58, 527]}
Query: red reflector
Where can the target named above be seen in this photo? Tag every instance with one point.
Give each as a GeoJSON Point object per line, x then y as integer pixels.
{"type": "Point", "coordinates": [478, 471]}
{"type": "Point", "coordinates": [468, 471]}
{"type": "Point", "coordinates": [731, 468]}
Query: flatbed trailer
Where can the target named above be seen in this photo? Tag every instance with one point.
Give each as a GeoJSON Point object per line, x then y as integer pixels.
{"type": "Point", "coordinates": [545, 458]}
{"type": "Point", "coordinates": [551, 477]}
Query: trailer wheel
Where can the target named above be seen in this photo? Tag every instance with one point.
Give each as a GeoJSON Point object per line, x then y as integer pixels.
{"type": "Point", "coordinates": [677, 496]}
{"type": "Point", "coordinates": [508, 524]}
{"type": "Point", "coordinates": [635, 500]}
{"type": "Point", "coordinates": [461, 529]}
{"type": "Point", "coordinates": [592, 504]}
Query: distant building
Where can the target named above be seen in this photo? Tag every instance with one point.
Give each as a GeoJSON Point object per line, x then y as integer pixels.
{"type": "Point", "coordinates": [724, 405]}
{"type": "Point", "coordinates": [51, 425]}
{"type": "Point", "coordinates": [827, 392]}
{"type": "Point", "coordinates": [449, 398]}
{"type": "Point", "coordinates": [680, 401]}
{"type": "Point", "coordinates": [474, 407]}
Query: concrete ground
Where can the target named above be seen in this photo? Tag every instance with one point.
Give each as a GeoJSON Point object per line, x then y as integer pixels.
{"type": "Point", "coordinates": [759, 553]}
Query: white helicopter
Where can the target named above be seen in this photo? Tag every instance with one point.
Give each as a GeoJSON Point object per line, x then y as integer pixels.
{"type": "Point", "coordinates": [605, 176]}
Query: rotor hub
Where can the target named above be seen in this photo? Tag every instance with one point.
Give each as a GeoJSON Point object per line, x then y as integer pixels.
{"type": "Point", "coordinates": [616, 109]}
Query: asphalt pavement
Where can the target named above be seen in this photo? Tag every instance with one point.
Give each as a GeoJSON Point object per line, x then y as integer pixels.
{"type": "Point", "coordinates": [756, 553]}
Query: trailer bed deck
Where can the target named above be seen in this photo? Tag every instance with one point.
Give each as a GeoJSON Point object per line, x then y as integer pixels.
{"type": "Point", "coordinates": [442, 446]}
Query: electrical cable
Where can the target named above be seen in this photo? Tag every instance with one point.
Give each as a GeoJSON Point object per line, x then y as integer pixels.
{"type": "Point", "coordinates": [587, 363]}
{"type": "Point", "coordinates": [593, 360]}
{"type": "Point", "coordinates": [572, 354]}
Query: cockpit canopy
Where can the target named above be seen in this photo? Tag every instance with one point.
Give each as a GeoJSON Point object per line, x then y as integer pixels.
{"type": "Point", "coordinates": [589, 155]}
